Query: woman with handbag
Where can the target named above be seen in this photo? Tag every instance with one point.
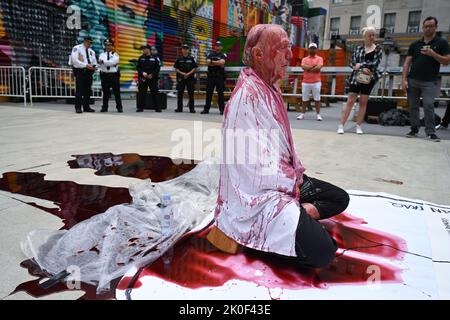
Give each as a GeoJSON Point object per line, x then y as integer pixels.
{"type": "Point", "coordinates": [365, 62]}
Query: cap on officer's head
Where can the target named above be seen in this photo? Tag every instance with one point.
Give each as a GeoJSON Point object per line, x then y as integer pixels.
{"type": "Point", "coordinates": [185, 46]}
{"type": "Point", "coordinates": [218, 43]}
{"type": "Point", "coordinates": [147, 47]}
{"type": "Point", "coordinates": [108, 42]}
{"type": "Point", "coordinates": [312, 45]}
{"type": "Point", "coordinates": [88, 38]}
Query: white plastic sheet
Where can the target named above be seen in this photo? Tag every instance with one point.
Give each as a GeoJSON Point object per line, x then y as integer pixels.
{"type": "Point", "coordinates": [105, 246]}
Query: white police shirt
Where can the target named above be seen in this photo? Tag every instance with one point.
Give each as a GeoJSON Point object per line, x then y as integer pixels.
{"type": "Point", "coordinates": [78, 58]}
{"type": "Point", "coordinates": [110, 62]}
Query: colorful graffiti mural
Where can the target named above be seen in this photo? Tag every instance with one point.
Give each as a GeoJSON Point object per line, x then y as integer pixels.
{"type": "Point", "coordinates": [35, 32]}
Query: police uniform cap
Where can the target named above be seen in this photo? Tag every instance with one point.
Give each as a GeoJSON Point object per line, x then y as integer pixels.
{"type": "Point", "coordinates": [185, 46]}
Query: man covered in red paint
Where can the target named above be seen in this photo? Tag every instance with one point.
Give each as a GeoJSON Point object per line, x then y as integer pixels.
{"type": "Point", "coordinates": [265, 202]}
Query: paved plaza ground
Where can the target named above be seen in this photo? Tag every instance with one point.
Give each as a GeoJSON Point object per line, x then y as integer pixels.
{"type": "Point", "coordinates": [43, 138]}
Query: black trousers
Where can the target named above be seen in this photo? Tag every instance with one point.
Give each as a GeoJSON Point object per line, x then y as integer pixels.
{"type": "Point", "coordinates": [111, 81]}
{"type": "Point", "coordinates": [315, 248]}
{"type": "Point", "coordinates": [446, 119]}
{"type": "Point", "coordinates": [218, 82]}
{"type": "Point", "coordinates": [143, 87]}
{"type": "Point", "coordinates": [181, 86]}
{"type": "Point", "coordinates": [83, 89]}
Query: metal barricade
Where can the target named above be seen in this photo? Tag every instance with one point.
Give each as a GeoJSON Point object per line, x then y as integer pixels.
{"type": "Point", "coordinates": [13, 82]}
{"type": "Point", "coordinates": [60, 82]}
{"type": "Point", "coordinates": [57, 83]}
{"type": "Point", "coordinates": [385, 85]}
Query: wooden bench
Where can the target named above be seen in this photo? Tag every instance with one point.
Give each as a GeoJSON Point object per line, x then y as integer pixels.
{"type": "Point", "coordinates": [222, 242]}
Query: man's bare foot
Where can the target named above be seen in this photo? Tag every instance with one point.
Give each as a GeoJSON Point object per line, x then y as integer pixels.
{"type": "Point", "coordinates": [311, 210]}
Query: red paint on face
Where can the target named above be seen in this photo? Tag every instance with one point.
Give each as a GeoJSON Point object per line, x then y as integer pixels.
{"type": "Point", "coordinates": [272, 65]}
{"type": "Point", "coordinates": [282, 57]}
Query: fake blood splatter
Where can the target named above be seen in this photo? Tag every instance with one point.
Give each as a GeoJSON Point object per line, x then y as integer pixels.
{"type": "Point", "coordinates": [34, 289]}
{"type": "Point", "coordinates": [77, 202]}
{"type": "Point", "coordinates": [157, 169]}
{"type": "Point", "coordinates": [197, 263]}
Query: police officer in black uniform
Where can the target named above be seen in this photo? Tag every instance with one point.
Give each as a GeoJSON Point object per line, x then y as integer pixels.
{"type": "Point", "coordinates": [216, 77]}
{"type": "Point", "coordinates": [84, 63]}
{"type": "Point", "coordinates": [185, 66]}
{"type": "Point", "coordinates": [148, 68]}
{"type": "Point", "coordinates": [110, 75]}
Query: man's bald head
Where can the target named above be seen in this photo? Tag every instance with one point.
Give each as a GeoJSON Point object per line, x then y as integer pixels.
{"type": "Point", "coordinates": [261, 36]}
{"type": "Point", "coordinates": [268, 50]}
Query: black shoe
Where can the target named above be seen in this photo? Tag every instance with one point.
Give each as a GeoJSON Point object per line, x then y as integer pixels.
{"type": "Point", "coordinates": [140, 110]}
{"type": "Point", "coordinates": [433, 137]}
{"type": "Point", "coordinates": [192, 110]}
{"type": "Point", "coordinates": [89, 110]}
{"type": "Point", "coordinates": [411, 134]}
{"type": "Point", "coordinates": [120, 110]}
{"type": "Point", "coordinates": [104, 110]}
{"type": "Point", "coordinates": [204, 112]}
{"type": "Point", "coordinates": [178, 110]}
{"type": "Point", "coordinates": [221, 113]}
{"type": "Point", "coordinates": [78, 111]}
{"type": "Point", "coordinates": [158, 110]}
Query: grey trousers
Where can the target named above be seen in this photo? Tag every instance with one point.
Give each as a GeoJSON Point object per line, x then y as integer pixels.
{"type": "Point", "coordinates": [428, 90]}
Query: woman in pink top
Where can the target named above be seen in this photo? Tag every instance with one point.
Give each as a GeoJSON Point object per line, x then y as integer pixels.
{"type": "Point", "coordinates": [265, 202]}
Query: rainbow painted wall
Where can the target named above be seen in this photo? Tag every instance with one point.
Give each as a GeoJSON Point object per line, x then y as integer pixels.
{"type": "Point", "coordinates": [35, 33]}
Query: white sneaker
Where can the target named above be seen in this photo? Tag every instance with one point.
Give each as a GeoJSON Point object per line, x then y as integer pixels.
{"type": "Point", "coordinates": [301, 116]}
{"type": "Point", "coordinates": [441, 126]}
{"type": "Point", "coordinates": [340, 129]}
{"type": "Point", "coordinates": [359, 130]}
{"type": "Point", "coordinates": [319, 117]}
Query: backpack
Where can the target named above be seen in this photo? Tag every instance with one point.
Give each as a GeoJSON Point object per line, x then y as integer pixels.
{"type": "Point", "coordinates": [394, 117]}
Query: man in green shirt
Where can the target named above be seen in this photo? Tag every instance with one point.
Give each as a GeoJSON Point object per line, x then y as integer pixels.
{"type": "Point", "coordinates": [421, 76]}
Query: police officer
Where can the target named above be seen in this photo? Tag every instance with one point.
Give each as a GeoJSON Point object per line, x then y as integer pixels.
{"type": "Point", "coordinates": [185, 66]}
{"type": "Point", "coordinates": [216, 77]}
{"type": "Point", "coordinates": [84, 63]}
{"type": "Point", "coordinates": [110, 76]}
{"type": "Point", "coordinates": [148, 67]}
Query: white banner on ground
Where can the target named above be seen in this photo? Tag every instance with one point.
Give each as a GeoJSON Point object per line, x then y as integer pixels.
{"type": "Point", "coordinates": [390, 247]}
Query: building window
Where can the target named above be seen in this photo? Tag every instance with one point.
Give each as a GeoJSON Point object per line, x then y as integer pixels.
{"type": "Point", "coordinates": [334, 27]}
{"type": "Point", "coordinates": [389, 22]}
{"type": "Point", "coordinates": [336, 1]}
{"type": "Point", "coordinates": [355, 25]}
{"type": "Point", "coordinates": [414, 22]}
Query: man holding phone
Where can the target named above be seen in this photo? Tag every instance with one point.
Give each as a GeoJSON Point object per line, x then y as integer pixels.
{"type": "Point", "coordinates": [421, 76]}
